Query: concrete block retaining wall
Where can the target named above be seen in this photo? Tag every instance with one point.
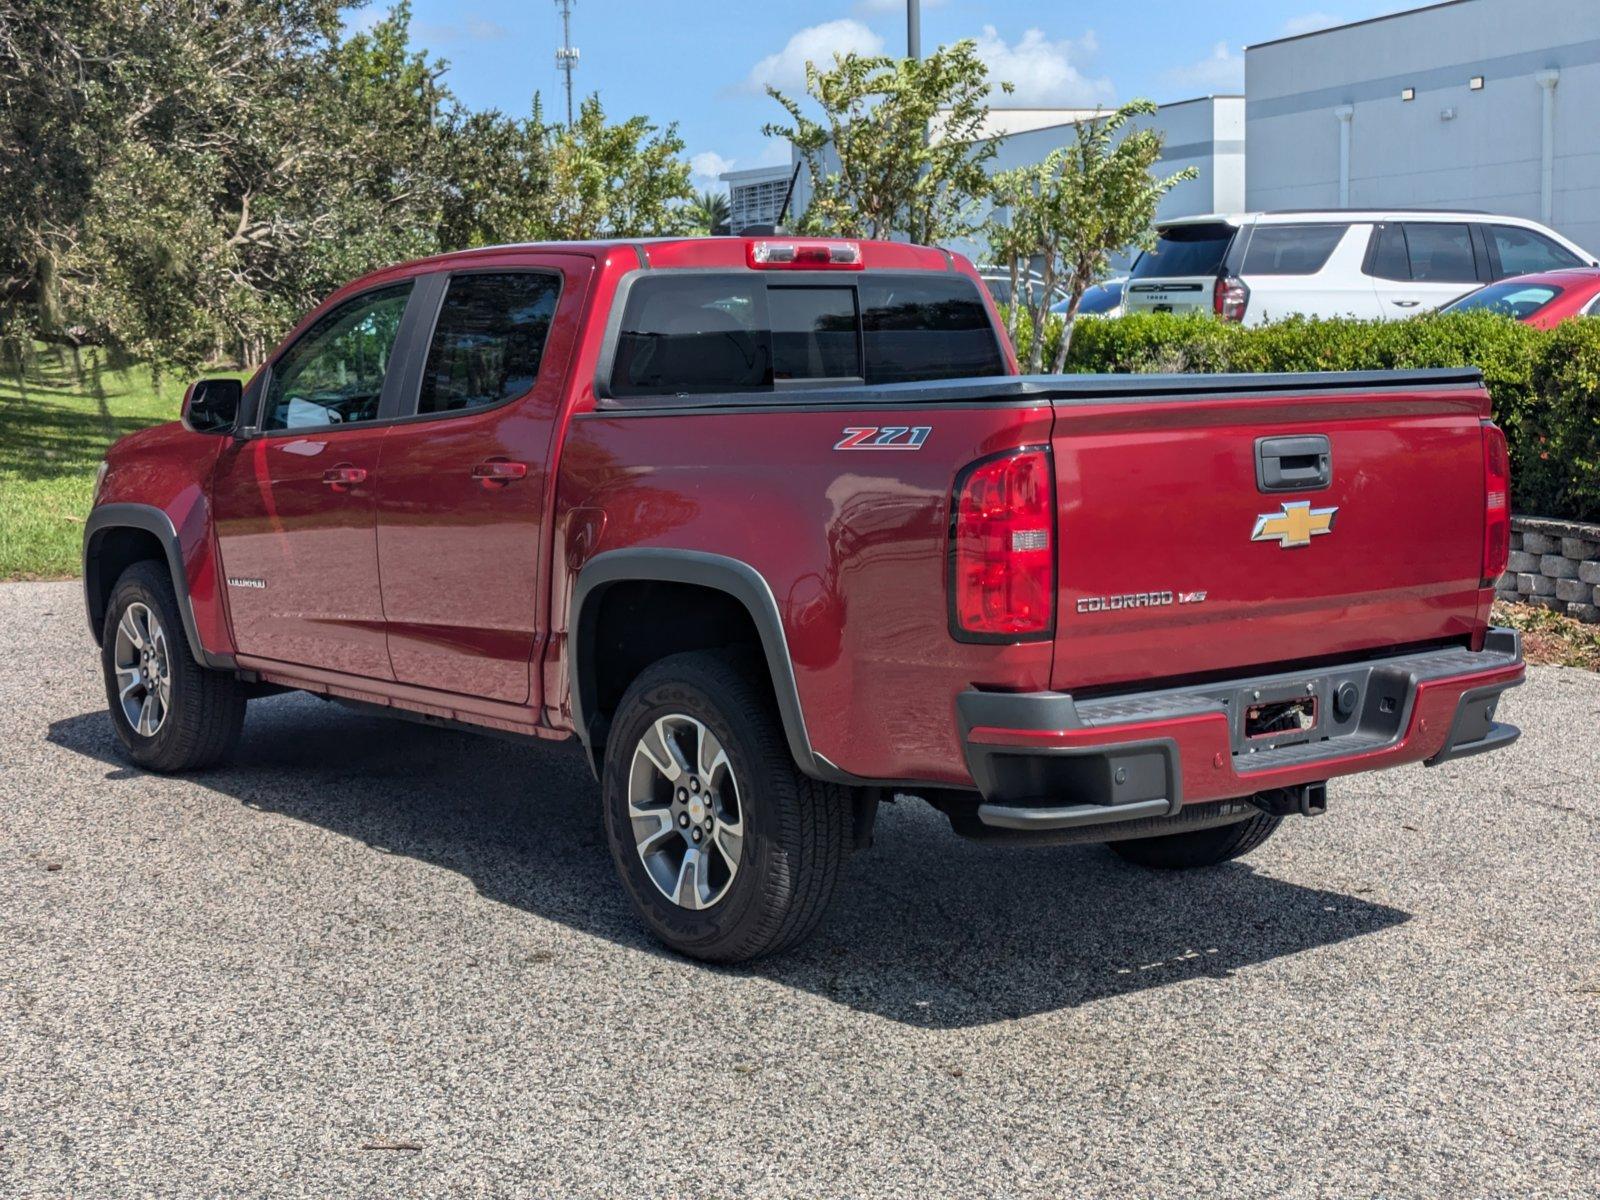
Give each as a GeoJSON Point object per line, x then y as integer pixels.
{"type": "Point", "coordinates": [1555, 564]}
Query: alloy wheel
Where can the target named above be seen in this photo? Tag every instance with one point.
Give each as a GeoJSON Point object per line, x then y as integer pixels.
{"type": "Point", "coordinates": [684, 807]}
{"type": "Point", "coordinates": [144, 670]}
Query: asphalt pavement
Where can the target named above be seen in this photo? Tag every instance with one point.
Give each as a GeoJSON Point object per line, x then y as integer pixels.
{"type": "Point", "coordinates": [375, 959]}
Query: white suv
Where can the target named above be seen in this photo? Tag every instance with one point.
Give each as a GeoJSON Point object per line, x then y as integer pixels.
{"type": "Point", "coordinates": [1378, 263]}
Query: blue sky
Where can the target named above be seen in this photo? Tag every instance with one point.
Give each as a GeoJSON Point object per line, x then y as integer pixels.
{"type": "Point", "coordinates": [704, 64]}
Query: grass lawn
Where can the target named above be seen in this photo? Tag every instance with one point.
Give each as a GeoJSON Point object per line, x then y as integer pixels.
{"type": "Point", "coordinates": [55, 425]}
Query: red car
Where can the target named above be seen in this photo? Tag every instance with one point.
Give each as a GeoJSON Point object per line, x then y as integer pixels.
{"type": "Point", "coordinates": [774, 531]}
{"type": "Point", "coordinates": [1545, 299]}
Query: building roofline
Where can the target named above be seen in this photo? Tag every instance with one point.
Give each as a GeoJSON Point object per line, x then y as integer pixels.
{"type": "Point", "coordinates": [1311, 33]}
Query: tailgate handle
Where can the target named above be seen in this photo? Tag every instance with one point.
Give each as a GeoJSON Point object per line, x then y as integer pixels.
{"type": "Point", "coordinates": [1294, 464]}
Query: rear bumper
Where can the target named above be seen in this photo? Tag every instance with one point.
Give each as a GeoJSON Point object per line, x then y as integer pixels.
{"type": "Point", "coordinates": [1045, 761]}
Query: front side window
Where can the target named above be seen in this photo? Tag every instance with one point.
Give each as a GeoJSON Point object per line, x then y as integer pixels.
{"type": "Point", "coordinates": [334, 374]}
{"type": "Point", "coordinates": [1291, 249]}
{"type": "Point", "coordinates": [488, 340]}
{"type": "Point", "coordinates": [1523, 252]}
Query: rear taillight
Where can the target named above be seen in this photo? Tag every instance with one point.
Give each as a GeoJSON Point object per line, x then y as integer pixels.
{"type": "Point", "coordinates": [837, 256]}
{"type": "Point", "coordinates": [1496, 505]}
{"type": "Point", "coordinates": [1002, 549]}
{"type": "Point", "coordinates": [1230, 298]}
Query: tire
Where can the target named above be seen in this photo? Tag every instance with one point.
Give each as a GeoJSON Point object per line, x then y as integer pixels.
{"type": "Point", "coordinates": [196, 715]}
{"type": "Point", "coordinates": [1198, 847]}
{"type": "Point", "coordinates": [789, 835]}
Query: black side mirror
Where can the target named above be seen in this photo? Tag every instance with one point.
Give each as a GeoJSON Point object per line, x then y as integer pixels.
{"type": "Point", "coordinates": [212, 405]}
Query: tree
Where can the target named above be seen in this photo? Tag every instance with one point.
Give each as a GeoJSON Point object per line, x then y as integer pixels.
{"type": "Point", "coordinates": [709, 213]}
{"type": "Point", "coordinates": [624, 180]}
{"type": "Point", "coordinates": [1068, 215]}
{"type": "Point", "coordinates": [906, 137]}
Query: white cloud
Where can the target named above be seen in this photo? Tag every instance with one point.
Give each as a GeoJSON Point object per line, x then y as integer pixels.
{"type": "Point", "coordinates": [1220, 71]}
{"type": "Point", "coordinates": [1045, 74]}
{"type": "Point", "coordinates": [706, 166]}
{"type": "Point", "coordinates": [1309, 23]}
{"type": "Point", "coordinates": [469, 29]}
{"type": "Point", "coordinates": [819, 43]}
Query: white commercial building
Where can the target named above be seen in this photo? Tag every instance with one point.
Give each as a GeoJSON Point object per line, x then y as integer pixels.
{"type": "Point", "coordinates": [755, 196]}
{"type": "Point", "coordinates": [1482, 104]}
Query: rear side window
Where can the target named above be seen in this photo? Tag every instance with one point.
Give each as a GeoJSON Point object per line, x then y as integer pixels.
{"type": "Point", "coordinates": [925, 329]}
{"type": "Point", "coordinates": [488, 340]}
{"type": "Point", "coordinates": [1524, 252]}
{"type": "Point", "coordinates": [1291, 249]}
{"type": "Point", "coordinates": [1185, 250]}
{"type": "Point", "coordinates": [696, 334]}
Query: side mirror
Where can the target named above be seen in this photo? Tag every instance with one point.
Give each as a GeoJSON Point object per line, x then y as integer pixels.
{"type": "Point", "coordinates": [212, 405]}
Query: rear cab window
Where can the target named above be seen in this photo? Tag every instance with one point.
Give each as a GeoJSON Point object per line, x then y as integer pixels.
{"type": "Point", "coordinates": [688, 333]}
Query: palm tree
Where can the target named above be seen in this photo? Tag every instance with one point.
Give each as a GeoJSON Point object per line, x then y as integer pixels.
{"type": "Point", "coordinates": [709, 212]}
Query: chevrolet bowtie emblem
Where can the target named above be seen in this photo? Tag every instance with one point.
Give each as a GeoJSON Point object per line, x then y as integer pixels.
{"type": "Point", "coordinates": [1295, 525]}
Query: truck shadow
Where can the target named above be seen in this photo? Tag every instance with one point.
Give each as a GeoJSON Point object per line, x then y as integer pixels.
{"type": "Point", "coordinates": [928, 929]}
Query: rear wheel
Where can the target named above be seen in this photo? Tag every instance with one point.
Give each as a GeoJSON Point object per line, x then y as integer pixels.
{"type": "Point", "coordinates": [1199, 847]}
{"type": "Point", "coordinates": [727, 851]}
{"type": "Point", "coordinates": [169, 712]}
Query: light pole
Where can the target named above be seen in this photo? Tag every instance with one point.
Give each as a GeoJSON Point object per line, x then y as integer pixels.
{"type": "Point", "coordinates": [913, 28]}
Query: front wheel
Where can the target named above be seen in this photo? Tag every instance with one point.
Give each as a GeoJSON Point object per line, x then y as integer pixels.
{"type": "Point", "coordinates": [169, 712]}
{"type": "Point", "coordinates": [1198, 847]}
{"type": "Point", "coordinates": [727, 851]}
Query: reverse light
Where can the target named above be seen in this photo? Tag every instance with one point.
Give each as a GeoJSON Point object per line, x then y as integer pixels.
{"type": "Point", "coordinates": [1002, 549]}
{"type": "Point", "coordinates": [1230, 298]}
{"type": "Point", "coordinates": [1496, 505]}
{"type": "Point", "coordinates": [837, 256]}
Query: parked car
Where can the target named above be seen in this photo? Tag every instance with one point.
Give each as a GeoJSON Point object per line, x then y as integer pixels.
{"type": "Point", "coordinates": [1384, 264]}
{"type": "Point", "coordinates": [1101, 300]}
{"type": "Point", "coordinates": [772, 529]}
{"type": "Point", "coordinates": [998, 281]}
{"type": "Point", "coordinates": [1543, 300]}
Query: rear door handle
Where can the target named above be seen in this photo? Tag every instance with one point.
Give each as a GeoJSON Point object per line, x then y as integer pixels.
{"type": "Point", "coordinates": [344, 476]}
{"type": "Point", "coordinates": [1405, 303]}
{"type": "Point", "coordinates": [1298, 463]}
{"type": "Point", "coordinates": [497, 472]}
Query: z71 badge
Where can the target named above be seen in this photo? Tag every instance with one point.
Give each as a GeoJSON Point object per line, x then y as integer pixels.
{"type": "Point", "coordinates": [883, 437]}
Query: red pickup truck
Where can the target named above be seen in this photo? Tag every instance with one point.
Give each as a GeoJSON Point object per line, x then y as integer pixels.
{"type": "Point", "coordinates": [776, 531]}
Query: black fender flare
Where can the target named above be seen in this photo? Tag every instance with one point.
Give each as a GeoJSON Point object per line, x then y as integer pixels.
{"type": "Point", "coordinates": [152, 520]}
{"type": "Point", "coordinates": [720, 573]}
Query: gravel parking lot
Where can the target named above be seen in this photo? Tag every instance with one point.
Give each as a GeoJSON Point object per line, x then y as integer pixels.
{"type": "Point", "coordinates": [373, 959]}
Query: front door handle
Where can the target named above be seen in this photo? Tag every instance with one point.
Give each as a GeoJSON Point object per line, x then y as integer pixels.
{"type": "Point", "coordinates": [1405, 303]}
{"type": "Point", "coordinates": [498, 472]}
{"type": "Point", "coordinates": [344, 477]}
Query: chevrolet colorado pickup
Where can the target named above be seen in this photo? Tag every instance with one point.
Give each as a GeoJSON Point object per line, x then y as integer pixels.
{"type": "Point", "coordinates": [774, 529]}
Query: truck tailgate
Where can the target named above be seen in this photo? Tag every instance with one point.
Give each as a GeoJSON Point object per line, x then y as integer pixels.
{"type": "Point", "coordinates": [1179, 558]}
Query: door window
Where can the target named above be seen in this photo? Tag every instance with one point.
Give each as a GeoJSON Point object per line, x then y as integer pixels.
{"type": "Point", "coordinates": [334, 374]}
{"type": "Point", "coordinates": [488, 340]}
{"type": "Point", "coordinates": [1523, 252]}
{"type": "Point", "coordinates": [1440, 252]}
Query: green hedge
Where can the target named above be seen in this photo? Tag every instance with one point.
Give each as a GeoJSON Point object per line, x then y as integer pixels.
{"type": "Point", "coordinates": [1545, 383]}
